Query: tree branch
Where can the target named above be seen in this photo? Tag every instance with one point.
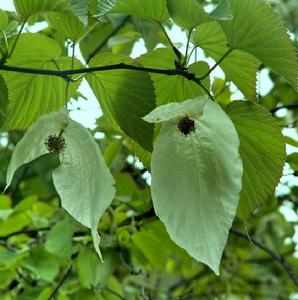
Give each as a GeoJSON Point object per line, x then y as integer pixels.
{"type": "Point", "coordinates": [102, 44]}
{"type": "Point", "coordinates": [55, 291]}
{"type": "Point", "coordinates": [290, 106]}
{"type": "Point", "coordinates": [216, 64]}
{"type": "Point", "coordinates": [274, 255]}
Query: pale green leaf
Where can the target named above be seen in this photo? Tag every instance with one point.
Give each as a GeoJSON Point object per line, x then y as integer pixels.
{"type": "Point", "coordinates": [174, 111]}
{"type": "Point", "coordinates": [262, 149]}
{"type": "Point", "coordinates": [239, 66]}
{"type": "Point", "coordinates": [148, 9]}
{"type": "Point", "coordinates": [59, 238]}
{"type": "Point", "coordinates": [173, 88]}
{"type": "Point", "coordinates": [26, 8]}
{"type": "Point", "coordinates": [32, 95]}
{"type": "Point", "coordinates": [196, 181]}
{"type": "Point", "coordinates": [258, 30]}
{"type": "Point", "coordinates": [124, 95]}
{"type": "Point", "coordinates": [82, 180]}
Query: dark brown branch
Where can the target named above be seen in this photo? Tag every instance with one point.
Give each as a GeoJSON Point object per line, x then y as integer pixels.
{"type": "Point", "coordinates": [290, 106]}
{"type": "Point", "coordinates": [103, 43]}
{"type": "Point", "coordinates": [55, 291]}
{"type": "Point", "coordinates": [121, 66]}
{"type": "Point", "coordinates": [274, 255]}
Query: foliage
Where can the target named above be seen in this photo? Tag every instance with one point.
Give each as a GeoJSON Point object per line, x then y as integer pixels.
{"type": "Point", "coordinates": [184, 163]}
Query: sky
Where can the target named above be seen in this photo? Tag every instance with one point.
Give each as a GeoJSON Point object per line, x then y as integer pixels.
{"type": "Point", "coordinates": [86, 112]}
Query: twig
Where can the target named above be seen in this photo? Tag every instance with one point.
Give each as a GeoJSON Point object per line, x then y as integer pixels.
{"type": "Point", "coordinates": [102, 44]}
{"type": "Point", "coordinates": [175, 50]}
{"type": "Point", "coordinates": [216, 64]}
{"type": "Point", "coordinates": [274, 255]}
{"type": "Point", "coordinates": [55, 291]}
{"type": "Point", "coordinates": [17, 38]}
{"type": "Point", "coordinates": [290, 106]}
{"type": "Point", "coordinates": [106, 288]}
{"type": "Point", "coordinates": [187, 47]}
{"type": "Point", "coordinates": [24, 231]}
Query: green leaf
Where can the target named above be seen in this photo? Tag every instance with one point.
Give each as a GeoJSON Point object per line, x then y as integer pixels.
{"type": "Point", "coordinates": [258, 30]}
{"type": "Point", "coordinates": [239, 66]}
{"type": "Point", "coordinates": [91, 272]}
{"type": "Point", "coordinates": [262, 149]}
{"type": "Point", "coordinates": [68, 24]}
{"type": "Point", "coordinates": [197, 202]}
{"type": "Point", "coordinates": [222, 11]}
{"type": "Point", "coordinates": [80, 9]}
{"type": "Point", "coordinates": [26, 8]}
{"type": "Point", "coordinates": [14, 223]}
{"type": "Point", "coordinates": [154, 242]}
{"type": "Point", "coordinates": [42, 264]}
{"type": "Point", "coordinates": [3, 19]}
{"type": "Point", "coordinates": [32, 95]}
{"type": "Point", "coordinates": [3, 99]}
{"type": "Point", "coordinates": [59, 239]}
{"type": "Point", "coordinates": [173, 88]}
{"type": "Point", "coordinates": [148, 9]}
{"type": "Point", "coordinates": [124, 95]}
{"type": "Point", "coordinates": [188, 13]}
{"type": "Point", "coordinates": [76, 169]}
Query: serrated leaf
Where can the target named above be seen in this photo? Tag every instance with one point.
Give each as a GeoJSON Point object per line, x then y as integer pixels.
{"type": "Point", "coordinates": [188, 13]}
{"type": "Point", "coordinates": [222, 11]}
{"type": "Point", "coordinates": [262, 149]}
{"type": "Point", "coordinates": [80, 9]}
{"type": "Point", "coordinates": [66, 23]}
{"type": "Point", "coordinates": [173, 88]}
{"type": "Point", "coordinates": [82, 180]}
{"type": "Point", "coordinates": [124, 95]}
{"type": "Point", "coordinates": [202, 190]}
{"type": "Point", "coordinates": [26, 8]}
{"type": "Point", "coordinates": [239, 66]}
{"type": "Point", "coordinates": [149, 9]}
{"type": "Point", "coordinates": [32, 95]}
{"type": "Point", "coordinates": [258, 30]}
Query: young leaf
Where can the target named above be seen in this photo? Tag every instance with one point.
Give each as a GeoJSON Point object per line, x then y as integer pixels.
{"type": "Point", "coordinates": [239, 66]}
{"type": "Point", "coordinates": [82, 180]}
{"type": "Point", "coordinates": [148, 9]}
{"type": "Point", "coordinates": [196, 177]}
{"type": "Point", "coordinates": [124, 95]}
{"type": "Point", "coordinates": [262, 149]}
{"type": "Point", "coordinates": [32, 95]}
{"type": "Point", "coordinates": [169, 88]}
{"type": "Point", "coordinates": [258, 30]}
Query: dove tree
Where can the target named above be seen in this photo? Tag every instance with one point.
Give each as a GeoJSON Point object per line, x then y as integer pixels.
{"type": "Point", "coordinates": [187, 160]}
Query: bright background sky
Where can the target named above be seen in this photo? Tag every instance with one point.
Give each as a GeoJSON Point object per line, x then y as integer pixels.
{"type": "Point", "coordinates": [86, 112]}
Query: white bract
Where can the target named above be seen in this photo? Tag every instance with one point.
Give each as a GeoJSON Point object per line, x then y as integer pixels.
{"type": "Point", "coordinates": [82, 180]}
{"type": "Point", "coordinates": [196, 178]}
